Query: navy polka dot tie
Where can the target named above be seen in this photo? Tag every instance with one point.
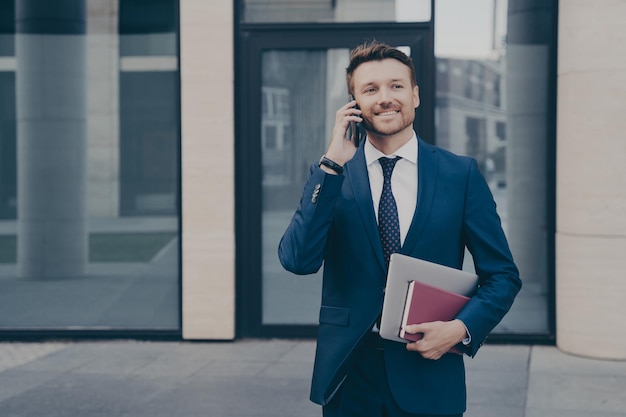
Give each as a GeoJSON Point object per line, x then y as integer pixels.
{"type": "Point", "coordinates": [388, 222]}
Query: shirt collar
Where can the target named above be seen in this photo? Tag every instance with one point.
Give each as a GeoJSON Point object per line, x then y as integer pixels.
{"type": "Point", "coordinates": [408, 151]}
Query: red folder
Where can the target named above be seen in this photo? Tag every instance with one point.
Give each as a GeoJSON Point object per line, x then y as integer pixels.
{"type": "Point", "coordinates": [426, 303]}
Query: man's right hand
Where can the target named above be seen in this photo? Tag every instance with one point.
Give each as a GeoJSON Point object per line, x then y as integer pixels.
{"type": "Point", "coordinates": [341, 149]}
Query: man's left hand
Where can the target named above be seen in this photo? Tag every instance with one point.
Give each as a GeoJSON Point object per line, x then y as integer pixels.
{"type": "Point", "coordinates": [438, 337]}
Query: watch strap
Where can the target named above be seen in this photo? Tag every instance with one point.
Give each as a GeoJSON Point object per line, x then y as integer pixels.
{"type": "Point", "coordinates": [329, 163]}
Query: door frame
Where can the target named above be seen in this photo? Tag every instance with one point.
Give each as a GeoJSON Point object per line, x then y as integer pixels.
{"type": "Point", "coordinates": [251, 41]}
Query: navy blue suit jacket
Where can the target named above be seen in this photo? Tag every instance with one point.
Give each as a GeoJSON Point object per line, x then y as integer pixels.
{"type": "Point", "coordinates": [335, 225]}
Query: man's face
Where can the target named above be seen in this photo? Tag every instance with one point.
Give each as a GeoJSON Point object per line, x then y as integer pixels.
{"type": "Point", "coordinates": [386, 96]}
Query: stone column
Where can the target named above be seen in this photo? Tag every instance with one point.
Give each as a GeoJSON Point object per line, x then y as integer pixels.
{"type": "Point", "coordinates": [51, 136]}
{"type": "Point", "coordinates": [208, 164]}
{"type": "Point", "coordinates": [591, 179]}
{"type": "Point", "coordinates": [103, 108]}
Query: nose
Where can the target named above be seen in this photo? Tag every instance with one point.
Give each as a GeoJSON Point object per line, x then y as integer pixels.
{"type": "Point", "coordinates": [384, 96]}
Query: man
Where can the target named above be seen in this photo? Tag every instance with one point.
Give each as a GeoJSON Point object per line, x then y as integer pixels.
{"type": "Point", "coordinates": [442, 205]}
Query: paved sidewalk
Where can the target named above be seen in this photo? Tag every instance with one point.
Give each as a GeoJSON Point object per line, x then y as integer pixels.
{"type": "Point", "coordinates": [270, 378]}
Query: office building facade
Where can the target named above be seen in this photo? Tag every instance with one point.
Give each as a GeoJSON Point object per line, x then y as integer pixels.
{"type": "Point", "coordinates": [152, 153]}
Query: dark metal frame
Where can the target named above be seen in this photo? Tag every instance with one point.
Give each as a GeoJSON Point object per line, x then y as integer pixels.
{"type": "Point", "coordinates": [551, 171]}
{"type": "Point", "coordinates": [251, 41]}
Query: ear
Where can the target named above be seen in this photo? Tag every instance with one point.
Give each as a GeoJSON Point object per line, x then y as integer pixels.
{"type": "Point", "coordinates": [416, 97]}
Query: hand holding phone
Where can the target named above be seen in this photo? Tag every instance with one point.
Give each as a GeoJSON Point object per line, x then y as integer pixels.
{"type": "Point", "coordinates": [346, 135]}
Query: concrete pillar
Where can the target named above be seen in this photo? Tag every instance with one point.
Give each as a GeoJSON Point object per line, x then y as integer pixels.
{"type": "Point", "coordinates": [103, 108]}
{"type": "Point", "coordinates": [51, 136]}
{"type": "Point", "coordinates": [208, 170]}
{"type": "Point", "coordinates": [527, 97]}
{"type": "Point", "coordinates": [591, 179]}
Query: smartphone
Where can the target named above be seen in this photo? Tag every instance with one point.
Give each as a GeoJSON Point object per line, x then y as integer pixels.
{"type": "Point", "coordinates": [355, 130]}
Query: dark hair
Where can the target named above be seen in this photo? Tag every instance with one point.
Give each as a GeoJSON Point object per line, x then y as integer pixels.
{"type": "Point", "coordinates": [376, 51]}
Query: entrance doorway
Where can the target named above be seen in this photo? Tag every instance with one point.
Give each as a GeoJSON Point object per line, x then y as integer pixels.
{"type": "Point", "coordinates": [291, 81]}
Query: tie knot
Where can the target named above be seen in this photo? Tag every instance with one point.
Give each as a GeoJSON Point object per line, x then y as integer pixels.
{"type": "Point", "coordinates": [388, 164]}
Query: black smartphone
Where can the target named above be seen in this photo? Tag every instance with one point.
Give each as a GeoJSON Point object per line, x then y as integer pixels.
{"type": "Point", "coordinates": [355, 130]}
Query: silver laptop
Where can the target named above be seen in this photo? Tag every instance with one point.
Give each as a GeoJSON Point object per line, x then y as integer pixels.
{"type": "Point", "coordinates": [404, 269]}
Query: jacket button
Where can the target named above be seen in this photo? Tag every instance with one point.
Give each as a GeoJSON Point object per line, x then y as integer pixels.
{"type": "Point", "coordinates": [316, 193]}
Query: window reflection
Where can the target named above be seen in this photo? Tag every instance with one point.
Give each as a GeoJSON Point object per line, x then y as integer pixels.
{"type": "Point", "coordinates": [301, 92]}
{"type": "Point", "coordinates": [485, 73]}
{"type": "Point", "coordinates": [87, 140]}
{"type": "Point", "coordinates": [294, 89]}
{"type": "Point", "coordinates": [279, 11]}
{"type": "Point", "coordinates": [483, 110]}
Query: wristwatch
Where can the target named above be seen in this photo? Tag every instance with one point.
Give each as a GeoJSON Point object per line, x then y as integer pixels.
{"type": "Point", "coordinates": [331, 164]}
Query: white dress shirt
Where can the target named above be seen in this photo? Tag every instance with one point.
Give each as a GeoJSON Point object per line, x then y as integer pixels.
{"type": "Point", "coordinates": [403, 187]}
{"type": "Point", "coordinates": [403, 181]}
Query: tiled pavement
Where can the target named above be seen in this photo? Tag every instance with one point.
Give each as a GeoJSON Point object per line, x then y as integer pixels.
{"type": "Point", "coordinates": [270, 378]}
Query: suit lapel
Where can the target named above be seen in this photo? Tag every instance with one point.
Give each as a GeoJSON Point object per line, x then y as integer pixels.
{"type": "Point", "coordinates": [427, 166]}
{"type": "Point", "coordinates": [356, 171]}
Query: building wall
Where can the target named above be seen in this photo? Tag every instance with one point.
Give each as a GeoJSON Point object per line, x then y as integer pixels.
{"type": "Point", "coordinates": [591, 179]}
{"type": "Point", "coordinates": [591, 189]}
{"type": "Point", "coordinates": [208, 210]}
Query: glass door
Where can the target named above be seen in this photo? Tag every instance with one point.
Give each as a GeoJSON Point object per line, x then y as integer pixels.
{"type": "Point", "coordinates": [293, 81]}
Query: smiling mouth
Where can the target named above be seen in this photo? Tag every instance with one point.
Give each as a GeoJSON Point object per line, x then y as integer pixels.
{"type": "Point", "coordinates": [388, 113]}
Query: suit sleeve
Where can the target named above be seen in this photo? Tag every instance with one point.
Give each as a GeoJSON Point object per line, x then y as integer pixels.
{"type": "Point", "coordinates": [499, 280]}
{"type": "Point", "coordinates": [301, 249]}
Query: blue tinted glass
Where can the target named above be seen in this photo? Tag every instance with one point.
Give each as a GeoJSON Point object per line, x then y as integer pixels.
{"type": "Point", "coordinates": [492, 100]}
{"type": "Point", "coordinates": [324, 11]}
{"type": "Point", "coordinates": [89, 183]}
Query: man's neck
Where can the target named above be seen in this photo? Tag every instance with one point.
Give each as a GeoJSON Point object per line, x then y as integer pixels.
{"type": "Point", "coordinates": [390, 144]}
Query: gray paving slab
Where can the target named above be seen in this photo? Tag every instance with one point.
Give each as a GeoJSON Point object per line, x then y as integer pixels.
{"type": "Point", "coordinates": [562, 384]}
{"type": "Point", "coordinates": [14, 354]}
{"type": "Point", "coordinates": [496, 381]}
{"type": "Point", "coordinates": [271, 378]}
{"type": "Point", "coordinates": [14, 382]}
{"type": "Point", "coordinates": [531, 412]}
{"type": "Point", "coordinates": [81, 395]}
{"type": "Point", "coordinates": [493, 410]}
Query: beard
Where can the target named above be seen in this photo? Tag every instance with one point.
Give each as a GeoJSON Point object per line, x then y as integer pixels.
{"type": "Point", "coordinates": [388, 129]}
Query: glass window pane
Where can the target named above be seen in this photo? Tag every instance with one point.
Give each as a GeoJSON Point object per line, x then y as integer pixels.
{"type": "Point", "coordinates": [280, 11]}
{"type": "Point", "coordinates": [485, 110]}
{"type": "Point", "coordinates": [296, 85]}
{"type": "Point", "coordinates": [89, 173]}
